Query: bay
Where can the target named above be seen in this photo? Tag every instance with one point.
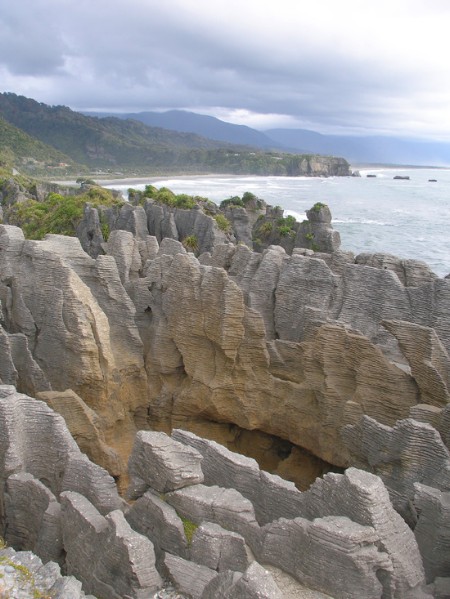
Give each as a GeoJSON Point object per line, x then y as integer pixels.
{"type": "Point", "coordinates": [407, 218]}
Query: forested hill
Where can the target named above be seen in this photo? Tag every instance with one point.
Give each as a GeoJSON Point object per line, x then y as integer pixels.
{"type": "Point", "coordinates": [18, 145]}
{"type": "Point", "coordinates": [128, 145]}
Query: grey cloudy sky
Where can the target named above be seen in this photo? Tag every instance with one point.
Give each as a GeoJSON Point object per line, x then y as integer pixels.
{"type": "Point", "coordinates": [347, 66]}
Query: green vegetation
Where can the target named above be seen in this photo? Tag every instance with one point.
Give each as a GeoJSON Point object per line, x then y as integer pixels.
{"type": "Point", "coordinates": [285, 230]}
{"type": "Point", "coordinates": [266, 228]}
{"type": "Point", "coordinates": [248, 201]}
{"type": "Point", "coordinates": [22, 150]}
{"type": "Point", "coordinates": [191, 243]}
{"type": "Point", "coordinates": [85, 181]}
{"type": "Point", "coordinates": [185, 201]}
{"type": "Point", "coordinates": [231, 202]}
{"type": "Point", "coordinates": [287, 226]}
{"type": "Point", "coordinates": [164, 195]}
{"type": "Point", "coordinates": [26, 577]}
{"type": "Point", "coordinates": [58, 214]}
{"type": "Point", "coordinates": [104, 226]}
{"type": "Point", "coordinates": [318, 206]}
{"type": "Point", "coordinates": [223, 223]}
{"type": "Point", "coordinates": [189, 528]}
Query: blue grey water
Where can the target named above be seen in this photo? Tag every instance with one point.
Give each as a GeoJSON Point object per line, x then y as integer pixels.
{"type": "Point", "coordinates": [408, 218]}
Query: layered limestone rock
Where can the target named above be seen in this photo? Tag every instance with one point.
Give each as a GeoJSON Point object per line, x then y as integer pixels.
{"type": "Point", "coordinates": [342, 538]}
{"type": "Point", "coordinates": [85, 426]}
{"type": "Point", "coordinates": [173, 465]}
{"type": "Point", "coordinates": [179, 224]}
{"type": "Point", "coordinates": [295, 347]}
{"type": "Point", "coordinates": [345, 538]}
{"type": "Point", "coordinates": [433, 530]}
{"type": "Point", "coordinates": [408, 453]}
{"type": "Point", "coordinates": [315, 378]}
{"type": "Point", "coordinates": [109, 558]}
{"type": "Point", "coordinates": [346, 359]}
{"type": "Point", "coordinates": [316, 232]}
{"type": "Point", "coordinates": [79, 326]}
{"type": "Point", "coordinates": [29, 577]}
{"type": "Point", "coordinates": [35, 440]}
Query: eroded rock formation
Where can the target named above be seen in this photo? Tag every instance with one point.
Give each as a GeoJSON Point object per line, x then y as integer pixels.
{"type": "Point", "coordinates": [342, 537]}
{"type": "Point", "coordinates": [296, 347]}
{"type": "Point", "coordinates": [282, 356]}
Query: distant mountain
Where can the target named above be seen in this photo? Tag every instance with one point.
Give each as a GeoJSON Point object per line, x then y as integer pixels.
{"type": "Point", "coordinates": [368, 149]}
{"type": "Point", "coordinates": [358, 150]}
{"type": "Point", "coordinates": [121, 145]}
{"type": "Point", "coordinates": [200, 124]}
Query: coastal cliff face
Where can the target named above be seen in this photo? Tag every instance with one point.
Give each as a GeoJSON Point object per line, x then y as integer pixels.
{"type": "Point", "coordinates": [309, 362]}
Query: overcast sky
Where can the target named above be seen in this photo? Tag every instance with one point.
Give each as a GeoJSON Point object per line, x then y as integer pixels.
{"type": "Point", "coordinates": [347, 66]}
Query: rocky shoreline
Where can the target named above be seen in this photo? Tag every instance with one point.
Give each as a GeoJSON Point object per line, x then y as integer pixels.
{"type": "Point", "coordinates": [313, 361]}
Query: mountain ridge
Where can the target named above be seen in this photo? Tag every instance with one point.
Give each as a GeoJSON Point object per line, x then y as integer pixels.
{"type": "Point", "coordinates": [371, 149]}
{"type": "Point", "coordinates": [201, 124]}
{"type": "Point", "coordinates": [116, 144]}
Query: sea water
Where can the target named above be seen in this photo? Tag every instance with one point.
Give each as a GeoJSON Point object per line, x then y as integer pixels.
{"type": "Point", "coordinates": [407, 218]}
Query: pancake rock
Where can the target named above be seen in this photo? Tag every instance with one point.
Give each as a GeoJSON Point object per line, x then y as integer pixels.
{"type": "Point", "coordinates": [79, 327]}
{"type": "Point", "coordinates": [356, 543]}
{"type": "Point", "coordinates": [291, 347]}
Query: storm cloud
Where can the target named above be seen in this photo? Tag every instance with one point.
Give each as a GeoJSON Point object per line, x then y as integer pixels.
{"type": "Point", "coordinates": [329, 66]}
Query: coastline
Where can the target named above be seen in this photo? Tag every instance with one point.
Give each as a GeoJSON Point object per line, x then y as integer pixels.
{"type": "Point", "coordinates": [148, 179]}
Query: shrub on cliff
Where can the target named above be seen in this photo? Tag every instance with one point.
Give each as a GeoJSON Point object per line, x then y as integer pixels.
{"type": "Point", "coordinates": [191, 243]}
{"type": "Point", "coordinates": [56, 214]}
{"type": "Point", "coordinates": [223, 223]}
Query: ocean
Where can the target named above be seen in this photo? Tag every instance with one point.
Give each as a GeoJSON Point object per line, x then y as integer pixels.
{"type": "Point", "coordinates": [407, 218]}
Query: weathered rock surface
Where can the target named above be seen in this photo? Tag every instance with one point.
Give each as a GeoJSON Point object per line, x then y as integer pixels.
{"type": "Point", "coordinates": [219, 549]}
{"type": "Point", "coordinates": [79, 324]}
{"type": "Point", "coordinates": [31, 576]}
{"type": "Point", "coordinates": [346, 359]}
{"type": "Point", "coordinates": [351, 556]}
{"type": "Point", "coordinates": [343, 536]}
{"type": "Point", "coordinates": [188, 577]}
{"type": "Point", "coordinates": [35, 440]}
{"type": "Point", "coordinates": [163, 340]}
{"type": "Point", "coordinates": [254, 583]}
{"type": "Point", "coordinates": [226, 507]}
{"type": "Point", "coordinates": [403, 455]}
{"type": "Point", "coordinates": [271, 496]}
{"type": "Point", "coordinates": [412, 273]}
{"type": "Point", "coordinates": [161, 463]}
{"type": "Point", "coordinates": [389, 544]}
{"type": "Point", "coordinates": [159, 522]}
{"type": "Point", "coordinates": [109, 558]}
{"type": "Point", "coordinates": [433, 530]}
{"type": "Point", "coordinates": [316, 232]}
{"type": "Point", "coordinates": [32, 517]}
{"type": "Point", "coordinates": [85, 426]}
{"type": "Point", "coordinates": [177, 223]}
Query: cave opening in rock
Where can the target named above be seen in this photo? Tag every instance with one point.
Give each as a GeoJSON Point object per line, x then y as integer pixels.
{"type": "Point", "coordinates": [273, 454]}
